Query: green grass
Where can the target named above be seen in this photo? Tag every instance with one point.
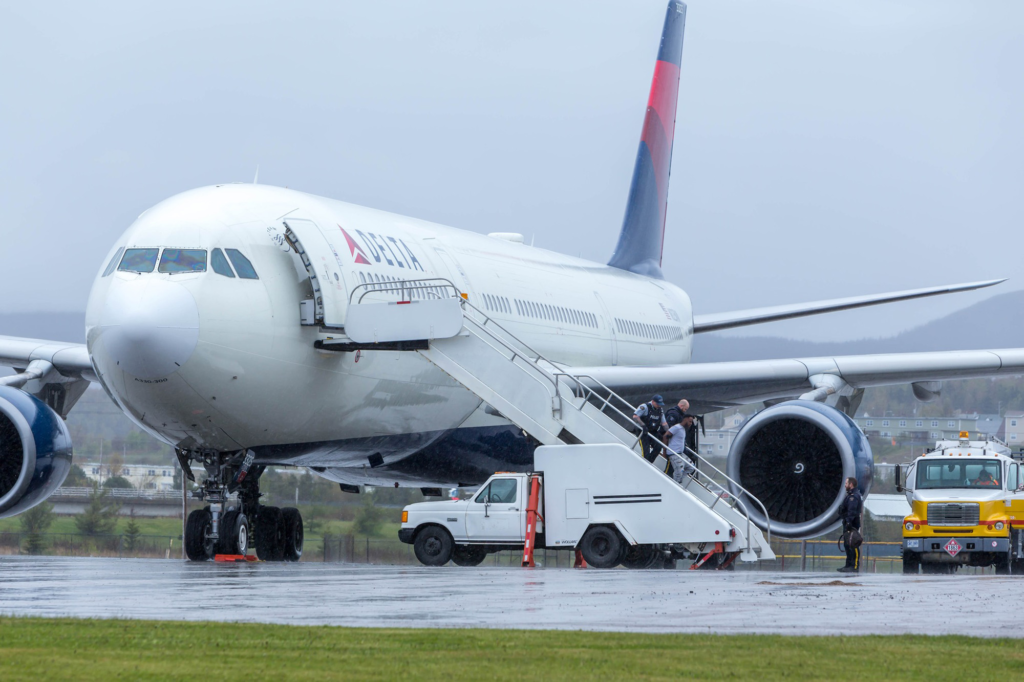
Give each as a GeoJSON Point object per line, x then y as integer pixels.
{"type": "Point", "coordinates": [34, 649]}
{"type": "Point", "coordinates": [66, 524]}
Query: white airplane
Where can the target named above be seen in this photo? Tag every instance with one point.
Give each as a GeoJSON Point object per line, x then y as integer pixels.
{"type": "Point", "coordinates": [224, 323]}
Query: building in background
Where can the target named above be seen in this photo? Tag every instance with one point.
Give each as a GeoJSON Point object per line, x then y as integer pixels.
{"type": "Point", "coordinates": [141, 476]}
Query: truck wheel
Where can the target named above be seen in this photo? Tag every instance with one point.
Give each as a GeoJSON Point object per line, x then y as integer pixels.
{"type": "Point", "coordinates": [468, 555]}
{"type": "Point", "coordinates": [1002, 564]}
{"type": "Point", "coordinates": [601, 546]}
{"type": "Point", "coordinates": [433, 546]}
{"type": "Point", "coordinates": [641, 556]}
{"type": "Point", "coordinates": [911, 562]}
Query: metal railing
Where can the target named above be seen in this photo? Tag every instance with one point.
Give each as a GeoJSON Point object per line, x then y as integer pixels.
{"type": "Point", "coordinates": [119, 493]}
{"type": "Point", "coordinates": [432, 287]}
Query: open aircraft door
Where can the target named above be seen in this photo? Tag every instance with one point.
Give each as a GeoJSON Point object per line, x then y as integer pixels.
{"type": "Point", "coordinates": [320, 257]}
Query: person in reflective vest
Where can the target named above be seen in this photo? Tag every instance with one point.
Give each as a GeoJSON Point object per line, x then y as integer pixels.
{"type": "Point", "coordinates": [850, 512]}
{"type": "Point", "coordinates": [651, 418]}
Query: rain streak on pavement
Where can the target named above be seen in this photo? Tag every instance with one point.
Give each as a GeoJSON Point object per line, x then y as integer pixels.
{"type": "Point", "coordinates": [403, 596]}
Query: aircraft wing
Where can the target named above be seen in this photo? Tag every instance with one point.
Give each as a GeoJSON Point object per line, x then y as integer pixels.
{"type": "Point", "coordinates": [743, 318]}
{"type": "Point", "coordinates": [37, 359]}
{"type": "Point", "coordinates": [717, 385]}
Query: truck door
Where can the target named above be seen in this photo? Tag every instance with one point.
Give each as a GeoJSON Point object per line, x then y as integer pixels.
{"type": "Point", "coordinates": [495, 513]}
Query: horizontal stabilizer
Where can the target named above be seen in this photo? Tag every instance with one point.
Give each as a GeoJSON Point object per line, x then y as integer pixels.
{"type": "Point", "coordinates": [743, 318]}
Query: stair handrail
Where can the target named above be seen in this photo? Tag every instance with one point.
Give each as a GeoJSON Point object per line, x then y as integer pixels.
{"type": "Point", "coordinates": [402, 286]}
{"type": "Point", "coordinates": [607, 400]}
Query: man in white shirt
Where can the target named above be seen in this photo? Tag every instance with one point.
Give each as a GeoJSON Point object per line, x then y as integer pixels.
{"type": "Point", "coordinates": [675, 439]}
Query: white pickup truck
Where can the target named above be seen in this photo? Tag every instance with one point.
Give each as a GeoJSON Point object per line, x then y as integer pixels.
{"type": "Point", "coordinates": [604, 500]}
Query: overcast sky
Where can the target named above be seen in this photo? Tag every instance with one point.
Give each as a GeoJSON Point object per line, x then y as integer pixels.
{"type": "Point", "coordinates": [822, 149]}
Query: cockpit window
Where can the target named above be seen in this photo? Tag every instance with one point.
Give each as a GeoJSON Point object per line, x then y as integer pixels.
{"type": "Point", "coordinates": [183, 260]}
{"type": "Point", "coordinates": [220, 264]}
{"type": "Point", "coordinates": [242, 265]}
{"type": "Point", "coordinates": [113, 262]}
{"type": "Point", "coordinates": [138, 260]}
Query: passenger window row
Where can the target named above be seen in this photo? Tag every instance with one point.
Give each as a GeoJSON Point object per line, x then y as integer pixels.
{"type": "Point", "coordinates": [181, 260]}
{"type": "Point", "coordinates": [657, 332]}
{"type": "Point", "coordinates": [555, 313]}
{"type": "Point", "coordinates": [498, 304]}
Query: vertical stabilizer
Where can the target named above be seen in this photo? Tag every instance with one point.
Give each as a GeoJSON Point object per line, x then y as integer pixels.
{"type": "Point", "coordinates": [643, 230]}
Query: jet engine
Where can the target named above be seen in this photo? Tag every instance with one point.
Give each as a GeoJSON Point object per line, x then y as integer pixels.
{"type": "Point", "coordinates": [795, 457]}
{"type": "Point", "coordinates": [35, 451]}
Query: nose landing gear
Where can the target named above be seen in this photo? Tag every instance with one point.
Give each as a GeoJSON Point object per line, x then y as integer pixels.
{"type": "Point", "coordinates": [276, 533]}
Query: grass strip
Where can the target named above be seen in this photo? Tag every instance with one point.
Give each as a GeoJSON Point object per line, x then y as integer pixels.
{"type": "Point", "coordinates": [70, 649]}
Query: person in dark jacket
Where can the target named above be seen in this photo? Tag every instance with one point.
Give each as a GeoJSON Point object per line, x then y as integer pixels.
{"type": "Point", "coordinates": [850, 512]}
{"type": "Point", "coordinates": [675, 414]}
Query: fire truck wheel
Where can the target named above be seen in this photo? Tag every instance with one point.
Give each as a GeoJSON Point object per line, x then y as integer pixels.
{"type": "Point", "coordinates": [911, 562]}
{"type": "Point", "coordinates": [1002, 564]}
{"type": "Point", "coordinates": [468, 555]}
{"type": "Point", "coordinates": [601, 546]}
{"type": "Point", "coordinates": [433, 546]}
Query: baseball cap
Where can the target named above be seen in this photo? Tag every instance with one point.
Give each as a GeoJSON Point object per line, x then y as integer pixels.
{"type": "Point", "coordinates": [658, 400]}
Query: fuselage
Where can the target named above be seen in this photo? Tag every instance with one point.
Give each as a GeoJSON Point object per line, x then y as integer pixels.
{"type": "Point", "coordinates": [209, 358]}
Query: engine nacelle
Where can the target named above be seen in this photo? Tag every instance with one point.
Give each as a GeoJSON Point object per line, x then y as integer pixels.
{"type": "Point", "coordinates": [35, 451]}
{"type": "Point", "coordinates": [795, 458]}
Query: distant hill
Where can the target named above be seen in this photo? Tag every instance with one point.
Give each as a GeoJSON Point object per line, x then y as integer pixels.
{"type": "Point", "coordinates": [993, 323]}
{"type": "Point", "coordinates": [52, 326]}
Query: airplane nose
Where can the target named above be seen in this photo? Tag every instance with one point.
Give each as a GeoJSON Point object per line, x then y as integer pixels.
{"type": "Point", "coordinates": [149, 328]}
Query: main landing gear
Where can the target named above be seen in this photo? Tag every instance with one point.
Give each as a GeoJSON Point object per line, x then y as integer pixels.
{"type": "Point", "coordinates": [215, 529]}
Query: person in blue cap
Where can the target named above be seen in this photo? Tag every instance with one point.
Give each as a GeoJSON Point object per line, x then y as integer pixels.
{"type": "Point", "coordinates": [651, 418]}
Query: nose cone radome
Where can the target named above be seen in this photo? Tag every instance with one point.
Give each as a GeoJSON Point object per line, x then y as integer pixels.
{"type": "Point", "coordinates": [149, 328]}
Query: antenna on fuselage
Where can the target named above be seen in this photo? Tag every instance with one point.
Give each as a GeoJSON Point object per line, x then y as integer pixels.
{"type": "Point", "coordinates": [256, 180]}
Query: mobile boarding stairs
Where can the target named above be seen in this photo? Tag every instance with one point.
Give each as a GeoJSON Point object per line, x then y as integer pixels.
{"type": "Point", "coordinates": [546, 401]}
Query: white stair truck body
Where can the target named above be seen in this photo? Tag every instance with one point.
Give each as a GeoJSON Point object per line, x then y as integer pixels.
{"type": "Point", "coordinates": [583, 486]}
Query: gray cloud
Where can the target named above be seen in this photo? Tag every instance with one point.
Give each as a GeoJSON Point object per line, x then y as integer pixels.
{"type": "Point", "coordinates": [822, 149]}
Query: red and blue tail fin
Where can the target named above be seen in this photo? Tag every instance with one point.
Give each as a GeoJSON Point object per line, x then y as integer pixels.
{"type": "Point", "coordinates": [643, 230]}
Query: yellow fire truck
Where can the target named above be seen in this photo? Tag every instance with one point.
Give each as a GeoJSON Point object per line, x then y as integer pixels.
{"type": "Point", "coordinates": [967, 508]}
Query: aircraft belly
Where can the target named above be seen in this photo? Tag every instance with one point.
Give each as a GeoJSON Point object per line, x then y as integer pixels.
{"type": "Point", "coordinates": [324, 397]}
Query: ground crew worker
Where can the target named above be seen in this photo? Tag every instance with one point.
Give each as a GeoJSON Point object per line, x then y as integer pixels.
{"type": "Point", "coordinates": [675, 439]}
{"type": "Point", "coordinates": [651, 418]}
{"type": "Point", "coordinates": [985, 478]}
{"type": "Point", "coordinates": [850, 512]}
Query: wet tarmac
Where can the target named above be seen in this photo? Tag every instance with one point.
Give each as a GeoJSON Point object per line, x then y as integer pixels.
{"type": "Point", "coordinates": [403, 596]}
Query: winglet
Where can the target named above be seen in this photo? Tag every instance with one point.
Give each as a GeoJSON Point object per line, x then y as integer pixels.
{"type": "Point", "coordinates": [643, 230]}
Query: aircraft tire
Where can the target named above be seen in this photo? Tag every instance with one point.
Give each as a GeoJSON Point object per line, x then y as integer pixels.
{"type": "Point", "coordinates": [234, 533]}
{"type": "Point", "coordinates": [600, 547]}
{"type": "Point", "coordinates": [291, 521]}
{"type": "Point", "coordinates": [198, 545]}
{"type": "Point", "coordinates": [468, 555]}
{"type": "Point", "coordinates": [433, 546]}
{"type": "Point", "coordinates": [269, 534]}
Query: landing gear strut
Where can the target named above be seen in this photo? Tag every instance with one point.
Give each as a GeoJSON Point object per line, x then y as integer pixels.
{"type": "Point", "coordinates": [219, 529]}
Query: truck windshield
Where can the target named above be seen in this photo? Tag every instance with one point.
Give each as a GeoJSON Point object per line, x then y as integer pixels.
{"type": "Point", "coordinates": [941, 473]}
{"type": "Point", "coordinates": [499, 491]}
